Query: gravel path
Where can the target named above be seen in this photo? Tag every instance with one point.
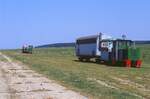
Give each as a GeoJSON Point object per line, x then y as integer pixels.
{"type": "Point", "coordinates": [17, 81]}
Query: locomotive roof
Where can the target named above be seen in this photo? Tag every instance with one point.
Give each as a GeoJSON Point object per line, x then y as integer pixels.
{"type": "Point", "coordinates": [116, 40]}
{"type": "Point", "coordinates": [123, 40]}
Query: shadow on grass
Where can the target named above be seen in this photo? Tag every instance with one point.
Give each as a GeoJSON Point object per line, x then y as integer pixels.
{"type": "Point", "coordinates": [100, 63]}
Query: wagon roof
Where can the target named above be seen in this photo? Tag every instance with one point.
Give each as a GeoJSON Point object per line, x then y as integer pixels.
{"type": "Point", "coordinates": [94, 37]}
{"type": "Point", "coordinates": [88, 37]}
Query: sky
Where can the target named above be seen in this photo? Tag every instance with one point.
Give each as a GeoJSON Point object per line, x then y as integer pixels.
{"type": "Point", "coordinates": [40, 22]}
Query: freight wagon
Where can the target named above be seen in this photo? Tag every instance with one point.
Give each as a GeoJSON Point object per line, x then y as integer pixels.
{"type": "Point", "coordinates": [105, 49]}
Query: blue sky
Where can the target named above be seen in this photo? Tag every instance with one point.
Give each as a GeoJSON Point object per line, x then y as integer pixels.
{"type": "Point", "coordinates": [50, 21]}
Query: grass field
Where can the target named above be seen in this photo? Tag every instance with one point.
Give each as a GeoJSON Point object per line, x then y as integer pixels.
{"type": "Point", "coordinates": [91, 79]}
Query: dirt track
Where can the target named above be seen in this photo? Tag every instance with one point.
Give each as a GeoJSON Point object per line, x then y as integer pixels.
{"type": "Point", "coordinates": [17, 81]}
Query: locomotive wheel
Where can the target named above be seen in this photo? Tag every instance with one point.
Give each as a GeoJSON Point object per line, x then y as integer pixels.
{"type": "Point", "coordinates": [97, 60]}
{"type": "Point", "coordinates": [128, 63]}
{"type": "Point", "coordinates": [80, 59]}
{"type": "Point", "coordinates": [87, 59]}
{"type": "Point", "coordinates": [138, 63]}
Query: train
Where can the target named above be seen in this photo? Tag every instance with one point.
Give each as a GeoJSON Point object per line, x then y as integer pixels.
{"type": "Point", "coordinates": [105, 49]}
{"type": "Point", "coordinates": [27, 49]}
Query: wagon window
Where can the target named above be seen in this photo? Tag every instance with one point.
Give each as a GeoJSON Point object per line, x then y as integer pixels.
{"type": "Point", "coordinates": [86, 41]}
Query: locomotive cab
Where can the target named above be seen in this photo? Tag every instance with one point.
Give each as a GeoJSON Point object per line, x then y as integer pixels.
{"type": "Point", "coordinates": [120, 52]}
{"type": "Point", "coordinates": [125, 53]}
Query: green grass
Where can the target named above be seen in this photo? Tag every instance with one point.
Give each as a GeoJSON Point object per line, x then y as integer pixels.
{"type": "Point", "coordinates": [61, 65]}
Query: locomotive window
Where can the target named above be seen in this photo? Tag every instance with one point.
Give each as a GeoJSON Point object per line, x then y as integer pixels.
{"type": "Point", "coordinates": [129, 43]}
{"type": "Point", "coordinates": [104, 44]}
{"type": "Point", "coordinates": [124, 44]}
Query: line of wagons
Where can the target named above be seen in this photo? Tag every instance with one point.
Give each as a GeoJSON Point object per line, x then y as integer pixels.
{"type": "Point", "coordinates": [104, 49]}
